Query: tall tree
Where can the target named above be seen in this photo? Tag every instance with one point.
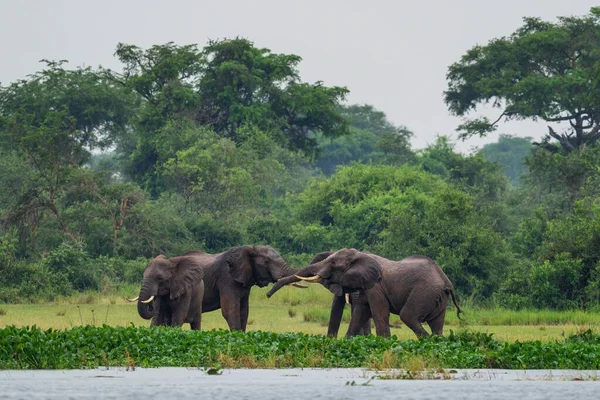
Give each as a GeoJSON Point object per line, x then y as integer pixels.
{"type": "Point", "coordinates": [228, 85]}
{"type": "Point", "coordinates": [54, 119]}
{"type": "Point", "coordinates": [544, 70]}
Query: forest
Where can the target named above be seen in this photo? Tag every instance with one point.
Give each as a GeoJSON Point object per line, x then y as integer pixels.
{"type": "Point", "coordinates": [190, 147]}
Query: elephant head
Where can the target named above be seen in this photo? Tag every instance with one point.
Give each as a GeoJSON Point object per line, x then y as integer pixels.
{"type": "Point", "coordinates": [167, 276]}
{"type": "Point", "coordinates": [344, 271]}
{"type": "Point", "coordinates": [256, 265]}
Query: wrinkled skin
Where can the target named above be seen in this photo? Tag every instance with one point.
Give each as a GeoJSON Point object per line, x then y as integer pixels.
{"type": "Point", "coordinates": [414, 288]}
{"type": "Point", "coordinates": [229, 276]}
{"type": "Point", "coordinates": [178, 289]}
{"type": "Point", "coordinates": [339, 302]}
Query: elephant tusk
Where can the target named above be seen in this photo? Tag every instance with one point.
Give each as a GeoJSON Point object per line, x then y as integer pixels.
{"type": "Point", "coordinates": [149, 300]}
{"type": "Point", "coordinates": [315, 278]}
{"type": "Point", "coordinates": [294, 284]}
{"type": "Point", "coordinates": [132, 300]}
{"type": "Point", "coordinates": [347, 298]}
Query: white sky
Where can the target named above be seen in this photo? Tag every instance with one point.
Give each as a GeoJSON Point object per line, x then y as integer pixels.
{"type": "Point", "coordinates": [391, 54]}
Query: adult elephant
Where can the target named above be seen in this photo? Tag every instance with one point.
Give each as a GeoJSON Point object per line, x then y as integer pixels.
{"type": "Point", "coordinates": [340, 299]}
{"type": "Point", "coordinates": [229, 276]}
{"type": "Point", "coordinates": [415, 288]}
{"type": "Point", "coordinates": [172, 291]}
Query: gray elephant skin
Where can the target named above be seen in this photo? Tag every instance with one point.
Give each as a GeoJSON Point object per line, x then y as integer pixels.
{"type": "Point", "coordinates": [339, 302]}
{"type": "Point", "coordinates": [229, 276]}
{"type": "Point", "coordinates": [414, 288]}
{"type": "Point", "coordinates": [172, 292]}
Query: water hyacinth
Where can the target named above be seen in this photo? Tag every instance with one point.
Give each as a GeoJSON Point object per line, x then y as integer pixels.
{"type": "Point", "coordinates": [88, 347]}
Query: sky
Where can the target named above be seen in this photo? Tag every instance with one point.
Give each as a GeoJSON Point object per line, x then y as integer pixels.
{"type": "Point", "coordinates": [392, 54]}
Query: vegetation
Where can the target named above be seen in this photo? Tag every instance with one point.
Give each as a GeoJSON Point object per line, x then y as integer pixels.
{"type": "Point", "coordinates": [81, 347]}
{"type": "Point", "coordinates": [208, 148]}
{"type": "Point", "coordinates": [543, 70]}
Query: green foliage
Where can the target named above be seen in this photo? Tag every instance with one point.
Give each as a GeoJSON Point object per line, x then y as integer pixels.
{"type": "Point", "coordinates": [542, 71]}
{"type": "Point", "coordinates": [373, 139]}
{"type": "Point", "coordinates": [565, 255]}
{"type": "Point", "coordinates": [99, 110]}
{"type": "Point", "coordinates": [90, 347]}
{"type": "Point", "coordinates": [510, 152]}
{"type": "Point", "coordinates": [559, 180]}
{"type": "Point", "coordinates": [397, 212]}
{"type": "Point", "coordinates": [229, 85]}
{"type": "Point", "coordinates": [473, 173]}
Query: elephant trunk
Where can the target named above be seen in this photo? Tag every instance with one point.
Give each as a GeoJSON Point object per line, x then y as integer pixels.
{"type": "Point", "coordinates": [283, 271]}
{"type": "Point", "coordinates": [148, 291]}
{"type": "Point", "coordinates": [292, 278]}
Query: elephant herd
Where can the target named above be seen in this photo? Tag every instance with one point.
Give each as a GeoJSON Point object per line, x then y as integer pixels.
{"type": "Point", "coordinates": [178, 290]}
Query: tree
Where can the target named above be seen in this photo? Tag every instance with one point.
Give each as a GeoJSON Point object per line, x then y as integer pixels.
{"type": "Point", "coordinates": [509, 151]}
{"type": "Point", "coordinates": [99, 109]}
{"type": "Point", "coordinates": [473, 173]}
{"type": "Point", "coordinates": [228, 85]}
{"type": "Point", "coordinates": [397, 212]}
{"type": "Point", "coordinates": [543, 71]}
{"type": "Point", "coordinates": [559, 181]}
{"type": "Point", "coordinates": [372, 138]}
{"type": "Point", "coordinates": [54, 119]}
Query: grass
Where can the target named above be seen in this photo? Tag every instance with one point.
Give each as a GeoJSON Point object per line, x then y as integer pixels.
{"type": "Point", "coordinates": [296, 310]}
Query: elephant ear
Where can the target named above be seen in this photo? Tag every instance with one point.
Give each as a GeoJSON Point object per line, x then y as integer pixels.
{"type": "Point", "coordinates": [363, 273]}
{"type": "Point", "coordinates": [321, 256]}
{"type": "Point", "coordinates": [240, 266]}
{"type": "Point", "coordinates": [188, 273]}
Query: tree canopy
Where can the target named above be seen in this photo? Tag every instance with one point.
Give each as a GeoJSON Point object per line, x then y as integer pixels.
{"type": "Point", "coordinates": [225, 86]}
{"type": "Point", "coordinates": [543, 71]}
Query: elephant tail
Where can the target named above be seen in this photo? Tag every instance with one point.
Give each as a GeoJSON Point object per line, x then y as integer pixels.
{"type": "Point", "coordinates": [450, 290]}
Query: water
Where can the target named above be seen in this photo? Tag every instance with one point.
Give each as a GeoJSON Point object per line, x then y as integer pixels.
{"type": "Point", "coordinates": [239, 384]}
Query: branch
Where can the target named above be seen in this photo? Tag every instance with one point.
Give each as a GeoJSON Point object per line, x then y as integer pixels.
{"type": "Point", "coordinates": [504, 113]}
{"type": "Point", "coordinates": [560, 119]}
{"type": "Point", "coordinates": [594, 134]}
{"type": "Point", "coordinates": [564, 140]}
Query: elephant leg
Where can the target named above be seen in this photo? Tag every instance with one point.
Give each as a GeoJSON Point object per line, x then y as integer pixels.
{"type": "Point", "coordinates": [380, 309]}
{"type": "Point", "coordinates": [410, 314]}
{"type": "Point", "coordinates": [335, 316]}
{"type": "Point", "coordinates": [244, 311]}
{"type": "Point", "coordinates": [230, 309]}
{"type": "Point", "coordinates": [195, 314]}
{"type": "Point", "coordinates": [437, 323]}
{"type": "Point", "coordinates": [361, 298]}
{"type": "Point", "coordinates": [163, 313]}
{"type": "Point", "coordinates": [179, 310]}
{"type": "Point", "coordinates": [366, 328]}
{"type": "Point", "coordinates": [361, 314]}
{"type": "Point", "coordinates": [410, 320]}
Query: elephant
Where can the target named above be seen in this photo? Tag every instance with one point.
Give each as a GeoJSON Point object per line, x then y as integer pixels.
{"type": "Point", "coordinates": [414, 288]}
{"type": "Point", "coordinates": [172, 292]}
{"type": "Point", "coordinates": [229, 276]}
{"type": "Point", "coordinates": [339, 302]}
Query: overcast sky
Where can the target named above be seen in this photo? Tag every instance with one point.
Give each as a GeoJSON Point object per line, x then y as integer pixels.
{"type": "Point", "coordinates": [392, 54]}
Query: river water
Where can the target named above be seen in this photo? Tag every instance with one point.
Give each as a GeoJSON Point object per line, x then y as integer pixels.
{"type": "Point", "coordinates": [284, 384]}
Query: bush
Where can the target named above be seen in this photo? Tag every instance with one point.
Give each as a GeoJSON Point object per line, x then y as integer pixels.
{"type": "Point", "coordinates": [33, 282]}
{"type": "Point", "coordinates": [72, 260]}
